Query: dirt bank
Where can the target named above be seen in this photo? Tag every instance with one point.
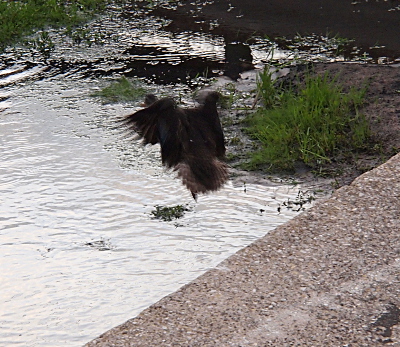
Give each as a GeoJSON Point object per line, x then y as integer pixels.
{"type": "Point", "coordinates": [382, 109]}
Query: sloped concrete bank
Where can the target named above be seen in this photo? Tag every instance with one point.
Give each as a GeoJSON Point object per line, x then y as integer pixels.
{"type": "Point", "coordinates": [329, 277]}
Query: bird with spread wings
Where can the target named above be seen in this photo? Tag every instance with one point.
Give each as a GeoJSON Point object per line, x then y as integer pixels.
{"type": "Point", "coordinates": [191, 139]}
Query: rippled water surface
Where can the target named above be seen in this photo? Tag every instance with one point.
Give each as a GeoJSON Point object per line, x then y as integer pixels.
{"type": "Point", "coordinates": [80, 252]}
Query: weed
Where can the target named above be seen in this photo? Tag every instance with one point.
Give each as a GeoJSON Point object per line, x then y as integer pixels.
{"type": "Point", "coordinates": [311, 125]}
{"type": "Point", "coordinates": [122, 90]}
{"type": "Point", "coordinates": [229, 97]}
{"type": "Point", "coordinates": [85, 34]}
{"type": "Point", "coordinates": [232, 98]}
{"type": "Point", "coordinates": [235, 140]}
{"type": "Point", "coordinates": [231, 157]}
{"type": "Point", "coordinates": [297, 205]}
{"type": "Point", "coordinates": [42, 43]}
{"type": "Point", "coordinates": [267, 89]}
{"type": "Point", "coordinates": [21, 18]}
{"type": "Point", "coordinates": [167, 214]}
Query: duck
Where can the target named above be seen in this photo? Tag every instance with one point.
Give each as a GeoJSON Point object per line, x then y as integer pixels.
{"type": "Point", "coordinates": [191, 139]}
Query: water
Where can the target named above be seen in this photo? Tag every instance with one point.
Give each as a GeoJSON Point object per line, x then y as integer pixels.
{"type": "Point", "coordinates": [80, 252]}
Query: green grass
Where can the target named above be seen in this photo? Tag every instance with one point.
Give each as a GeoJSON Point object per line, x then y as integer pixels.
{"type": "Point", "coordinates": [168, 214]}
{"type": "Point", "coordinates": [267, 89]}
{"type": "Point", "coordinates": [122, 90]}
{"type": "Point", "coordinates": [311, 125]}
{"type": "Point", "coordinates": [21, 18]}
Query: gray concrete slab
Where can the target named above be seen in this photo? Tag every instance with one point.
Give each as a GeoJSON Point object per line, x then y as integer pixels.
{"type": "Point", "coordinates": [329, 277]}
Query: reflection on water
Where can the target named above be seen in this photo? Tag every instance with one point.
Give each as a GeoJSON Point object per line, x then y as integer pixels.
{"type": "Point", "coordinates": [134, 45]}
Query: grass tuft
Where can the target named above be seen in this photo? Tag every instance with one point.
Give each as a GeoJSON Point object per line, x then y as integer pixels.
{"type": "Point", "coordinates": [122, 90]}
{"type": "Point", "coordinates": [310, 125]}
{"type": "Point", "coordinates": [23, 17]}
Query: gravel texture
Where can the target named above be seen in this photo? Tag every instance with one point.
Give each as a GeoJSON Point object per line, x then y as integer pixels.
{"type": "Point", "coordinates": [329, 277]}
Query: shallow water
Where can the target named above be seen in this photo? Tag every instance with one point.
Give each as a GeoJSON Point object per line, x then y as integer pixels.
{"type": "Point", "coordinates": [80, 252]}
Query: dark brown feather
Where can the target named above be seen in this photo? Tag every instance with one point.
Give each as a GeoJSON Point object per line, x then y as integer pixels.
{"type": "Point", "coordinates": [192, 141]}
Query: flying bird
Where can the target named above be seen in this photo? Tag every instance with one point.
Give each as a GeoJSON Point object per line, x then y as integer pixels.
{"type": "Point", "coordinates": [192, 140]}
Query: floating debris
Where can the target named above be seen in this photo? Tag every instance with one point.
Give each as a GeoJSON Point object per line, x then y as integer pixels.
{"type": "Point", "coordinates": [167, 214]}
{"type": "Point", "coordinates": [298, 203]}
{"type": "Point", "coordinates": [100, 245]}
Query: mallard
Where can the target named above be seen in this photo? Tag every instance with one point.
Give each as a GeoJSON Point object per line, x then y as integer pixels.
{"type": "Point", "coordinates": [192, 140]}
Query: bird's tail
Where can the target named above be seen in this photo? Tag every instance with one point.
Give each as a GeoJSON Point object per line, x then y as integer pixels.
{"type": "Point", "coordinates": [202, 176]}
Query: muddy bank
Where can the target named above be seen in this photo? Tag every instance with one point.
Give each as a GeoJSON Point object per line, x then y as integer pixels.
{"type": "Point", "coordinates": [381, 108]}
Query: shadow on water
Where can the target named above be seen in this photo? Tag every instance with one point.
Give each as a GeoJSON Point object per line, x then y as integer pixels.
{"type": "Point", "coordinates": [80, 252]}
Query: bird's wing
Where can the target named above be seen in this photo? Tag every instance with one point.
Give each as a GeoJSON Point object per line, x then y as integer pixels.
{"type": "Point", "coordinates": [173, 135]}
{"type": "Point", "coordinates": [145, 122]}
{"type": "Point", "coordinates": [163, 123]}
{"type": "Point", "coordinates": [191, 141]}
{"type": "Point", "coordinates": [205, 121]}
{"type": "Point", "coordinates": [210, 114]}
